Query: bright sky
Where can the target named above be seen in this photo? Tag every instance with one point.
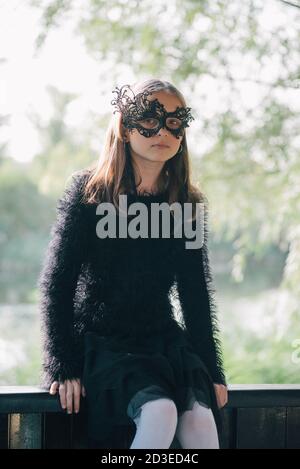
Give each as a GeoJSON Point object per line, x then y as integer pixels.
{"type": "Point", "coordinates": [65, 64]}
{"type": "Point", "coordinates": [24, 77]}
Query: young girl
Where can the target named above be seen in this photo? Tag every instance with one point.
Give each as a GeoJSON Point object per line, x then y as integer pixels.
{"type": "Point", "coordinates": [109, 327]}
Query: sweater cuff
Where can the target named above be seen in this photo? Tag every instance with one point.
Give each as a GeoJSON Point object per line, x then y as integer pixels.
{"type": "Point", "coordinates": [56, 370]}
{"type": "Point", "coordinates": [218, 377]}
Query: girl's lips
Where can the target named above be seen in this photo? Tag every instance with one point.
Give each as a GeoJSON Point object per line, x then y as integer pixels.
{"type": "Point", "coordinates": [160, 145]}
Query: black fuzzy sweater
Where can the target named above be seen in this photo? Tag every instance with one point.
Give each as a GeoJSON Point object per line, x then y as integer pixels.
{"type": "Point", "coordinates": [117, 285]}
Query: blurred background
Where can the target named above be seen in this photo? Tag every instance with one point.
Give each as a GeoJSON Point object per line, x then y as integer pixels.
{"type": "Point", "coordinates": [238, 66]}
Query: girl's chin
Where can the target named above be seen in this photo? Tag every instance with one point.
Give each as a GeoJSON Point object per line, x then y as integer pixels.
{"type": "Point", "coordinates": [157, 156]}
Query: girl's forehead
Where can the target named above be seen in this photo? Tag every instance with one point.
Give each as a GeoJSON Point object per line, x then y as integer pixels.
{"type": "Point", "coordinates": [168, 100]}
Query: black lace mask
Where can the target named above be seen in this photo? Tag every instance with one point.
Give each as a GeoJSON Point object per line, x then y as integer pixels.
{"type": "Point", "coordinates": [148, 117]}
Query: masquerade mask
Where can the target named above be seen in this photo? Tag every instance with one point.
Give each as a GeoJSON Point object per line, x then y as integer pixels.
{"type": "Point", "coordinates": [147, 116]}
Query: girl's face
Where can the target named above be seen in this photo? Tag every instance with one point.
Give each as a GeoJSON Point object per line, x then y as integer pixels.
{"type": "Point", "coordinates": [146, 147]}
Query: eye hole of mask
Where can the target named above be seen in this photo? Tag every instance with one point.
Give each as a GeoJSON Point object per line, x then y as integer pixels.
{"type": "Point", "coordinates": [152, 123]}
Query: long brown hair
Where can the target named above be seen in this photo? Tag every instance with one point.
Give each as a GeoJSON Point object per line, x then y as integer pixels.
{"type": "Point", "coordinates": [112, 175]}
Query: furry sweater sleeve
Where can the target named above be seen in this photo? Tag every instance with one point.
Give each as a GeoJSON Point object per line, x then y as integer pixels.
{"type": "Point", "coordinates": [57, 283]}
{"type": "Point", "coordinates": [196, 295]}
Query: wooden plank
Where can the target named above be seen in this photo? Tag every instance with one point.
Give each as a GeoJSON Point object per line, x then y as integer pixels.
{"type": "Point", "coordinates": [263, 387]}
{"type": "Point", "coordinates": [261, 428]}
{"type": "Point", "coordinates": [28, 399]}
{"type": "Point", "coordinates": [293, 428]}
{"type": "Point", "coordinates": [264, 396]}
{"type": "Point", "coordinates": [123, 436]}
{"type": "Point", "coordinates": [11, 390]}
{"type": "Point", "coordinates": [121, 439]}
{"type": "Point", "coordinates": [3, 431]}
{"type": "Point", "coordinates": [57, 431]}
{"type": "Point", "coordinates": [25, 431]}
{"type": "Point", "coordinates": [228, 436]}
{"type": "Point", "coordinates": [29, 403]}
{"type": "Point", "coordinates": [255, 416]}
{"type": "Point", "coordinates": [79, 437]}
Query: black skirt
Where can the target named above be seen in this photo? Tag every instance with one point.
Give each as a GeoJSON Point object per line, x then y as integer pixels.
{"type": "Point", "coordinates": [122, 372]}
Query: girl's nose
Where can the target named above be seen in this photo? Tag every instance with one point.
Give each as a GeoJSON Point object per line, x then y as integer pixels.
{"type": "Point", "coordinates": [163, 131]}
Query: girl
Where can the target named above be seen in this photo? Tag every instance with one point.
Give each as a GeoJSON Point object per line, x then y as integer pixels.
{"type": "Point", "coordinates": [110, 331]}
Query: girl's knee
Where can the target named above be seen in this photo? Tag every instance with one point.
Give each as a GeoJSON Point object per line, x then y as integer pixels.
{"type": "Point", "coordinates": [162, 408]}
{"type": "Point", "coordinates": [203, 418]}
{"type": "Point", "coordinates": [197, 429]}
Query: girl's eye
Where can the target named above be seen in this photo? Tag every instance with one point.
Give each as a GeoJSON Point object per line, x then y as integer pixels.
{"type": "Point", "coordinates": [149, 123]}
{"type": "Point", "coordinates": [173, 123]}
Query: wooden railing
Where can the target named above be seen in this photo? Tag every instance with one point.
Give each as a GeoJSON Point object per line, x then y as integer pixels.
{"type": "Point", "coordinates": [256, 416]}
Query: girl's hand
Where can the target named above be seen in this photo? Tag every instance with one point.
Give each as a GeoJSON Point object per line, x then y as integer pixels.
{"type": "Point", "coordinates": [69, 390]}
{"type": "Point", "coordinates": [221, 394]}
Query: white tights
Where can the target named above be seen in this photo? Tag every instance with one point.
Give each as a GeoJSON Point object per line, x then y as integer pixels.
{"type": "Point", "coordinates": [159, 422]}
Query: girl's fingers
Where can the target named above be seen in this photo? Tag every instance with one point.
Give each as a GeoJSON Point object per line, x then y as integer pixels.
{"type": "Point", "coordinates": [53, 387]}
{"type": "Point", "coordinates": [76, 390]}
{"type": "Point", "coordinates": [69, 395]}
{"type": "Point", "coordinates": [221, 394]}
{"type": "Point", "coordinates": [224, 397]}
{"type": "Point", "coordinates": [62, 395]}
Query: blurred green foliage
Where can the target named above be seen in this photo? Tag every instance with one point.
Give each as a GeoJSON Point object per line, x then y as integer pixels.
{"type": "Point", "coordinates": [250, 170]}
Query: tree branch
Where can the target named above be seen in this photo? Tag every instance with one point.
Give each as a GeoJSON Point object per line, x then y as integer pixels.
{"type": "Point", "coordinates": [291, 4]}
